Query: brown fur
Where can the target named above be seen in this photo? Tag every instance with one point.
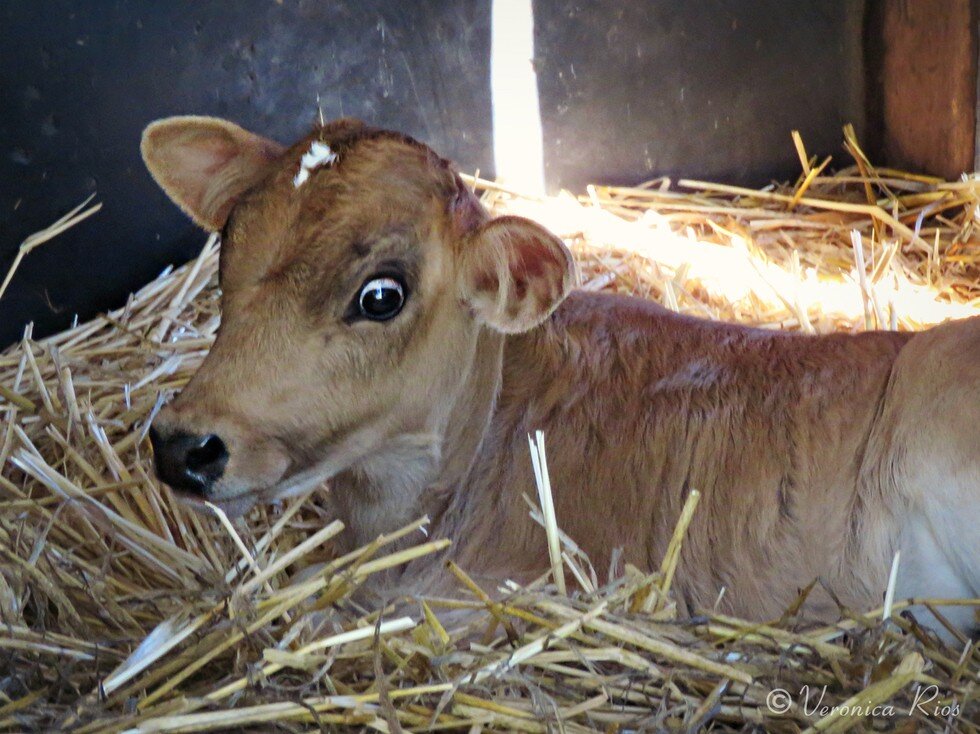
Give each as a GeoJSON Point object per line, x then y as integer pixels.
{"type": "Point", "coordinates": [817, 457]}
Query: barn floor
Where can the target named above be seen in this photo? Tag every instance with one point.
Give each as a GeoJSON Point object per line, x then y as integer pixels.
{"type": "Point", "coordinates": [122, 611]}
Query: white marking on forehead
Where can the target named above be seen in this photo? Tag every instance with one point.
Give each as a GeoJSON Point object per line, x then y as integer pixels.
{"type": "Point", "coordinates": [318, 155]}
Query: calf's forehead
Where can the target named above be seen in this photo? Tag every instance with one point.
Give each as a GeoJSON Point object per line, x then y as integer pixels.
{"type": "Point", "coordinates": [380, 186]}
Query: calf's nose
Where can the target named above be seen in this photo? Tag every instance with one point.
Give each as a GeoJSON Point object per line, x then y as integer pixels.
{"type": "Point", "coordinates": [188, 462]}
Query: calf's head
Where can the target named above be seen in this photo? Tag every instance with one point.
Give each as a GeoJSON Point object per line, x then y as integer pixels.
{"type": "Point", "coordinates": [357, 272]}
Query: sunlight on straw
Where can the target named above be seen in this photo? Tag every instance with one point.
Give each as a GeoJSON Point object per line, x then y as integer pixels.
{"type": "Point", "coordinates": [737, 273]}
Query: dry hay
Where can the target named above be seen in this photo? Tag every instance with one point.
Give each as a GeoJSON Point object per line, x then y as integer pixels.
{"type": "Point", "coordinates": [121, 610]}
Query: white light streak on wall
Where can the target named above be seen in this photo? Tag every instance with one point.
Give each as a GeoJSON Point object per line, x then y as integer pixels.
{"type": "Point", "coordinates": [517, 136]}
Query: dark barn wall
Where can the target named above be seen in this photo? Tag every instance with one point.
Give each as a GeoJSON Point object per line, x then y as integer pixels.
{"type": "Point", "coordinates": [706, 88]}
{"type": "Point", "coordinates": [628, 90]}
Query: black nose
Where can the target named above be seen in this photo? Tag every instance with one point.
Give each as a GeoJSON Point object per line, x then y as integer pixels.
{"type": "Point", "coordinates": [187, 462]}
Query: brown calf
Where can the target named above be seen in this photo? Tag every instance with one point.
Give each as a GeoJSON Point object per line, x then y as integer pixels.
{"type": "Point", "coordinates": [381, 331]}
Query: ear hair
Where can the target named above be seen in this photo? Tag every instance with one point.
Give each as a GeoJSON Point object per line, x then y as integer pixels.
{"type": "Point", "coordinates": [515, 273]}
{"type": "Point", "coordinates": [205, 164]}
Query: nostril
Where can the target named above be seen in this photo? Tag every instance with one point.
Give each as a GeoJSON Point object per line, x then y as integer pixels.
{"type": "Point", "coordinates": [188, 462]}
{"type": "Point", "coordinates": [208, 457]}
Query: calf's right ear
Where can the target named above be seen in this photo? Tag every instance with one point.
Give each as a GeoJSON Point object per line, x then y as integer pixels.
{"type": "Point", "coordinates": [205, 164]}
{"type": "Point", "coordinates": [514, 273]}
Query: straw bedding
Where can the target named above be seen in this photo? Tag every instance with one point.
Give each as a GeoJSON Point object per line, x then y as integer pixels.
{"type": "Point", "coordinates": [123, 611]}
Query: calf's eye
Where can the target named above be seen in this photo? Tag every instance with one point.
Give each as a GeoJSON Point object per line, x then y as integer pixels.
{"type": "Point", "coordinates": [381, 299]}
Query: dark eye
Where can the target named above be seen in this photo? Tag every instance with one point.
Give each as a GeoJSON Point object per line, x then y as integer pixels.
{"type": "Point", "coordinates": [381, 299]}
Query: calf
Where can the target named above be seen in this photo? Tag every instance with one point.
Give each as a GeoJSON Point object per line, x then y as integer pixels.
{"type": "Point", "coordinates": [381, 331]}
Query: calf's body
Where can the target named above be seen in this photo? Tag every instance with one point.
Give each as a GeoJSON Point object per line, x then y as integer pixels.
{"type": "Point", "coordinates": [807, 458]}
{"type": "Point", "coordinates": [382, 332]}
{"type": "Point", "coordinates": [639, 406]}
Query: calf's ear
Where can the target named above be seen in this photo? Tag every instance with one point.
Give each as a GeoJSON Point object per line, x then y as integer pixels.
{"type": "Point", "coordinates": [205, 164]}
{"type": "Point", "coordinates": [514, 273]}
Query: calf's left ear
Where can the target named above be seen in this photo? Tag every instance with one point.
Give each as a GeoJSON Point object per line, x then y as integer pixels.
{"type": "Point", "coordinates": [514, 273]}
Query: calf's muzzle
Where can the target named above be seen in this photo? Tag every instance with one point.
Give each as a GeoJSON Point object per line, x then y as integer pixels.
{"type": "Point", "coordinates": [188, 462]}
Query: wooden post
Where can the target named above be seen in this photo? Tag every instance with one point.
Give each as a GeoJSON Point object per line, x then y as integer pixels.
{"type": "Point", "coordinates": [922, 58]}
